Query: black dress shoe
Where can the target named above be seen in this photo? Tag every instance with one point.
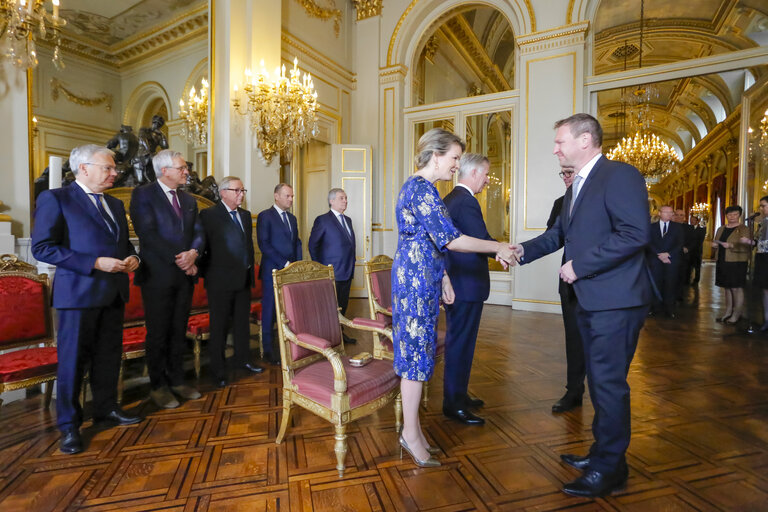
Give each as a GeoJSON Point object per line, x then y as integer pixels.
{"type": "Point", "coordinates": [221, 383]}
{"type": "Point", "coordinates": [119, 416]}
{"type": "Point", "coordinates": [464, 416]}
{"type": "Point", "coordinates": [576, 461]}
{"type": "Point", "coordinates": [594, 484]}
{"type": "Point", "coordinates": [253, 368]}
{"type": "Point", "coordinates": [568, 402]}
{"type": "Point", "coordinates": [474, 402]}
{"type": "Point", "coordinates": [70, 441]}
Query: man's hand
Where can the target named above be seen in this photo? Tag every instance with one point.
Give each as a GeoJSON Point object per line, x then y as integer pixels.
{"type": "Point", "coordinates": [448, 294]}
{"type": "Point", "coordinates": [131, 264]}
{"type": "Point", "coordinates": [566, 272]}
{"type": "Point", "coordinates": [184, 260]}
{"type": "Point", "coordinates": [664, 257]}
{"type": "Point", "coordinates": [685, 250]}
{"type": "Point", "coordinates": [191, 271]}
{"type": "Point", "coordinates": [111, 265]}
{"type": "Point", "coordinates": [518, 250]}
{"type": "Point", "coordinates": [504, 255]}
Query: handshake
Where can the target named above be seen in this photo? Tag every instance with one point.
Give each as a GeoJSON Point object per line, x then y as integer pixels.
{"type": "Point", "coordinates": [509, 255]}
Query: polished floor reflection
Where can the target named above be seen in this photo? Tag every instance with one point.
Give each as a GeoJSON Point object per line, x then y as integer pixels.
{"type": "Point", "coordinates": [700, 436]}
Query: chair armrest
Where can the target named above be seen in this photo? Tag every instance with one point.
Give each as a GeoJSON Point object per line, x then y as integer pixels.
{"type": "Point", "coordinates": [367, 324]}
{"type": "Point", "coordinates": [310, 342]}
{"type": "Point", "coordinates": [381, 309]}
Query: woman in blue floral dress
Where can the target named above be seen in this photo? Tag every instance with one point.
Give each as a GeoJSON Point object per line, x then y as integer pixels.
{"type": "Point", "coordinates": [419, 279]}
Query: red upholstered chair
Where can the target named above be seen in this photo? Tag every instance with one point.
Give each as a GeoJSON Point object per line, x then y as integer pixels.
{"type": "Point", "coordinates": [256, 294]}
{"type": "Point", "coordinates": [317, 374]}
{"type": "Point", "coordinates": [25, 321]}
{"type": "Point", "coordinates": [134, 331]}
{"type": "Point", "coordinates": [199, 323]}
{"type": "Point", "coordinates": [378, 281]}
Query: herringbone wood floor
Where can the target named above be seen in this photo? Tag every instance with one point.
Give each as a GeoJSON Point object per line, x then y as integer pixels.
{"type": "Point", "coordinates": [700, 437]}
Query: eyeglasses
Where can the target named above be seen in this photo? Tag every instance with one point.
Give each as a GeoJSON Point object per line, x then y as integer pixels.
{"type": "Point", "coordinates": [237, 190]}
{"type": "Point", "coordinates": [108, 168]}
{"type": "Point", "coordinates": [563, 174]}
{"type": "Point", "coordinates": [182, 168]}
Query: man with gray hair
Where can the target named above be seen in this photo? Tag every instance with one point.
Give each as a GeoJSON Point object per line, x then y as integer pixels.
{"type": "Point", "coordinates": [332, 242]}
{"type": "Point", "coordinates": [170, 238]}
{"type": "Point", "coordinates": [85, 234]}
{"type": "Point", "coordinates": [227, 266]}
{"type": "Point", "coordinates": [469, 276]}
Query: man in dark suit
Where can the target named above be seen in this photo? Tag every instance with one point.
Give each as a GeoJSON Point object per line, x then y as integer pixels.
{"type": "Point", "coordinates": [85, 234]}
{"type": "Point", "coordinates": [576, 369]}
{"type": "Point", "coordinates": [332, 242]}
{"type": "Point", "coordinates": [684, 263]}
{"type": "Point", "coordinates": [277, 234]}
{"type": "Point", "coordinates": [696, 248]}
{"type": "Point", "coordinates": [227, 266]}
{"type": "Point", "coordinates": [664, 253]}
{"type": "Point", "coordinates": [604, 229]}
{"type": "Point", "coordinates": [471, 283]}
{"type": "Point", "coordinates": [170, 241]}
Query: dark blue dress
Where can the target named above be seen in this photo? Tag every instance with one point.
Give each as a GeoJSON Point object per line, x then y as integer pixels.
{"type": "Point", "coordinates": [425, 228]}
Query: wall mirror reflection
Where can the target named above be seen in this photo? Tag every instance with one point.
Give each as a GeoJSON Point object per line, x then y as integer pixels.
{"type": "Point", "coordinates": [134, 78]}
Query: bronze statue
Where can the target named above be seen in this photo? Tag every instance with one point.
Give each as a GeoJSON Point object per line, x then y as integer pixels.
{"type": "Point", "coordinates": [151, 140]}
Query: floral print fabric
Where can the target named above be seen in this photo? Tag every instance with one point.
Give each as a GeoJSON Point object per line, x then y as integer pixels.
{"type": "Point", "coordinates": [425, 228]}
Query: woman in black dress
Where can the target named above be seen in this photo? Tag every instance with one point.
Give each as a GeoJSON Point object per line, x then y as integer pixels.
{"type": "Point", "coordinates": [733, 246]}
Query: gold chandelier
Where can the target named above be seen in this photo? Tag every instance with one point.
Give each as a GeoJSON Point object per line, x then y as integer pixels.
{"type": "Point", "coordinates": [195, 127]}
{"type": "Point", "coordinates": [764, 132]}
{"type": "Point", "coordinates": [21, 22]}
{"type": "Point", "coordinates": [700, 210]}
{"type": "Point", "coordinates": [282, 111]}
{"type": "Point", "coordinates": [651, 155]}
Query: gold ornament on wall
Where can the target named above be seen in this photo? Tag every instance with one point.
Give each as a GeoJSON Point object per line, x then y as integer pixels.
{"type": "Point", "coordinates": [367, 8]}
{"type": "Point", "coordinates": [58, 88]}
{"type": "Point", "coordinates": [323, 13]}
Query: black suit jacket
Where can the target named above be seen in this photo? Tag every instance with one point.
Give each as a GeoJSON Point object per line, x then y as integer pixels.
{"type": "Point", "coordinates": [277, 245]}
{"type": "Point", "coordinates": [227, 263]}
{"type": "Point", "coordinates": [672, 242]}
{"type": "Point", "coordinates": [162, 235]}
{"type": "Point", "coordinates": [605, 236]}
{"type": "Point", "coordinates": [468, 271]}
{"type": "Point", "coordinates": [330, 244]}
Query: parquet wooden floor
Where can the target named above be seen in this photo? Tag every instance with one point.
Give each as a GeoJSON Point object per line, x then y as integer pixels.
{"type": "Point", "coordinates": [700, 437]}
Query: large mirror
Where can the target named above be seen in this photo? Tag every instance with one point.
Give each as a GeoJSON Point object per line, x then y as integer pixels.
{"type": "Point", "coordinates": [127, 66]}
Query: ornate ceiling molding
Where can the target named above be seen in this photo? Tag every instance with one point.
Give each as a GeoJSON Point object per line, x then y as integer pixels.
{"type": "Point", "coordinates": [459, 33]}
{"type": "Point", "coordinates": [323, 13]}
{"type": "Point", "coordinates": [392, 74]}
{"type": "Point", "coordinates": [367, 8]}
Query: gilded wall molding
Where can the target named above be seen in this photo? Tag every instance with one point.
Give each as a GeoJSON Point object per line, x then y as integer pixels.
{"type": "Point", "coordinates": [460, 33]}
{"type": "Point", "coordinates": [367, 8]}
{"type": "Point", "coordinates": [318, 58]}
{"type": "Point", "coordinates": [392, 74]}
{"type": "Point", "coordinates": [559, 37]}
{"type": "Point", "coordinates": [58, 88]}
{"type": "Point", "coordinates": [323, 13]}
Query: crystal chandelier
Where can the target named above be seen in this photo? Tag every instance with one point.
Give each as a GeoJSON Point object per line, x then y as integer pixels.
{"type": "Point", "coordinates": [764, 132]}
{"type": "Point", "coordinates": [700, 210]}
{"type": "Point", "coordinates": [195, 127]}
{"type": "Point", "coordinates": [282, 111]}
{"type": "Point", "coordinates": [646, 151]}
{"type": "Point", "coordinates": [21, 22]}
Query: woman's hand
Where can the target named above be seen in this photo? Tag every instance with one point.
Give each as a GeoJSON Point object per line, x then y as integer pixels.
{"type": "Point", "coordinates": [448, 294]}
{"type": "Point", "coordinates": [505, 255]}
{"type": "Point", "coordinates": [746, 241]}
{"type": "Point", "coordinates": [726, 245]}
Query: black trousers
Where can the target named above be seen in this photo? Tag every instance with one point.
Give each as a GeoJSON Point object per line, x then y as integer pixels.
{"type": "Point", "coordinates": [574, 348]}
{"type": "Point", "coordinates": [342, 294]}
{"type": "Point", "coordinates": [88, 340]}
{"type": "Point", "coordinates": [229, 308]}
{"type": "Point", "coordinates": [666, 277]}
{"type": "Point", "coordinates": [166, 310]}
{"type": "Point", "coordinates": [610, 340]}
{"type": "Point", "coordinates": [462, 323]}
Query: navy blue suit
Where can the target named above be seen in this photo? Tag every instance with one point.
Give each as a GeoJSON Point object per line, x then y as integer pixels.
{"type": "Point", "coordinates": [666, 275]}
{"type": "Point", "coordinates": [165, 289]}
{"type": "Point", "coordinates": [331, 244]}
{"type": "Point", "coordinates": [227, 266]}
{"type": "Point", "coordinates": [471, 283]}
{"type": "Point", "coordinates": [70, 233]}
{"type": "Point", "coordinates": [278, 246]}
{"type": "Point", "coordinates": [605, 237]}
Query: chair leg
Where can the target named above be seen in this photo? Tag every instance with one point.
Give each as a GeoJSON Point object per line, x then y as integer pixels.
{"type": "Point", "coordinates": [196, 350]}
{"type": "Point", "coordinates": [286, 417]}
{"type": "Point", "coordinates": [120, 382]}
{"type": "Point", "coordinates": [398, 413]}
{"type": "Point", "coordinates": [425, 395]}
{"type": "Point", "coordinates": [48, 394]}
{"type": "Point", "coordinates": [340, 448]}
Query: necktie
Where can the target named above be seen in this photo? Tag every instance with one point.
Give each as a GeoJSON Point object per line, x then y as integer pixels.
{"type": "Point", "coordinates": [285, 221]}
{"type": "Point", "coordinates": [664, 230]}
{"type": "Point", "coordinates": [233, 213]}
{"type": "Point", "coordinates": [345, 225]}
{"type": "Point", "coordinates": [175, 203]}
{"type": "Point", "coordinates": [575, 190]}
{"type": "Point", "coordinates": [110, 223]}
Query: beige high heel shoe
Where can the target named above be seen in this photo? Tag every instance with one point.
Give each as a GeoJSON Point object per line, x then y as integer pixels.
{"type": "Point", "coordinates": [431, 462]}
